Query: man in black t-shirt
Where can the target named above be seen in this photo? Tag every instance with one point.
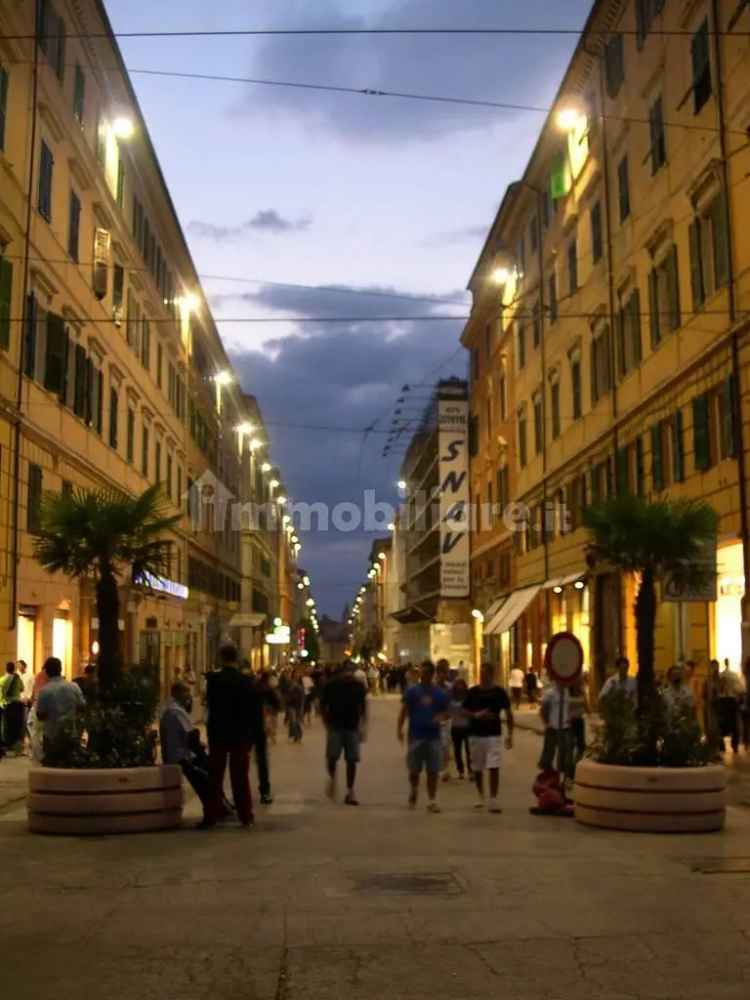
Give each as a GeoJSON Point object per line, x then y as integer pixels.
{"type": "Point", "coordinates": [485, 704]}
{"type": "Point", "coordinates": [343, 703]}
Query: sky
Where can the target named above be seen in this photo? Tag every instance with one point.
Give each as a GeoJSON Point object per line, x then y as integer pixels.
{"type": "Point", "coordinates": [369, 200]}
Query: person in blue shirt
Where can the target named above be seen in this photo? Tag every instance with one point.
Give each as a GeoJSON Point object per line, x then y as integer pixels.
{"type": "Point", "coordinates": [425, 706]}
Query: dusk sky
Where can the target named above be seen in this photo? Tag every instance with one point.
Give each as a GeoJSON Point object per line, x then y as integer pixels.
{"type": "Point", "coordinates": [395, 196]}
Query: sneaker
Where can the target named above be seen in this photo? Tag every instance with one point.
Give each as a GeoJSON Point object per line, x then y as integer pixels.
{"type": "Point", "coordinates": [433, 807]}
{"type": "Point", "coordinates": [351, 799]}
{"type": "Point", "coordinates": [495, 806]}
{"type": "Point", "coordinates": [412, 798]}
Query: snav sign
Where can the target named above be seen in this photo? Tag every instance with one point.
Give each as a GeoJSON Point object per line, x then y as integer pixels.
{"type": "Point", "coordinates": [453, 418]}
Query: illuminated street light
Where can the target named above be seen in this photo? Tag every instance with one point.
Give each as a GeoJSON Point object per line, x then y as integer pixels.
{"type": "Point", "coordinates": [274, 484]}
{"type": "Point", "coordinates": [256, 443]}
{"type": "Point", "coordinates": [306, 580]}
{"type": "Point", "coordinates": [501, 275]}
{"type": "Point", "coordinates": [266, 467]}
{"type": "Point", "coordinates": [223, 378]}
{"type": "Point", "coordinates": [476, 613]}
{"type": "Point", "coordinates": [281, 501]}
{"type": "Point", "coordinates": [285, 520]}
{"type": "Point", "coordinates": [300, 586]}
{"type": "Point", "coordinates": [123, 128]}
{"type": "Point", "coordinates": [568, 118]}
{"type": "Point", "coordinates": [391, 526]}
{"type": "Point", "coordinates": [401, 484]}
{"type": "Point", "coordinates": [245, 428]}
{"type": "Point", "coordinates": [310, 602]}
{"type": "Point", "coordinates": [579, 584]}
{"type": "Point", "coordinates": [381, 555]}
{"type": "Point", "coordinates": [294, 539]}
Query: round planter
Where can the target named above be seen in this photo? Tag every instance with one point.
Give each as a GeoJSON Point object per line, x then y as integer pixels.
{"type": "Point", "coordinates": [131, 800]}
{"type": "Point", "coordinates": [651, 799]}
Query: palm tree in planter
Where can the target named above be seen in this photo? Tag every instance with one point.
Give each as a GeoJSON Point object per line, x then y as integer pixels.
{"type": "Point", "coordinates": [656, 540]}
{"type": "Point", "coordinates": [101, 535]}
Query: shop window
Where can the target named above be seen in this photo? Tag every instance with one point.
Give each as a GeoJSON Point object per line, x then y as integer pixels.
{"type": "Point", "coordinates": [709, 252]}
{"type": "Point", "coordinates": [664, 297]}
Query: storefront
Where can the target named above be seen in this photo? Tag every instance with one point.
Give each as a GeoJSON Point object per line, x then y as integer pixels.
{"type": "Point", "coordinates": [727, 616]}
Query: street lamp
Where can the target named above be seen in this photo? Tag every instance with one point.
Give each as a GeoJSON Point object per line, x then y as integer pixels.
{"type": "Point", "coordinates": [391, 526]}
{"type": "Point", "coordinates": [274, 484]}
{"type": "Point", "coordinates": [381, 555]}
{"type": "Point", "coordinates": [568, 118]}
{"type": "Point", "coordinates": [306, 580]}
{"type": "Point", "coordinates": [266, 467]}
{"type": "Point", "coordinates": [223, 378]}
{"type": "Point", "coordinates": [281, 501]}
{"type": "Point", "coordinates": [123, 127]}
{"type": "Point", "coordinates": [501, 275]}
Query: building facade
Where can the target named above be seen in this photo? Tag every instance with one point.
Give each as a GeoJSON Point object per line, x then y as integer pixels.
{"type": "Point", "coordinates": [614, 288]}
{"type": "Point", "coordinates": [112, 371]}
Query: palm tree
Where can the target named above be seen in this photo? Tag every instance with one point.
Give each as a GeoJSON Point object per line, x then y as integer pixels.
{"type": "Point", "coordinates": [656, 539]}
{"type": "Point", "coordinates": [101, 535]}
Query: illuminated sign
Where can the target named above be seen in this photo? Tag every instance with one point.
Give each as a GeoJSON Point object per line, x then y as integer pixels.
{"type": "Point", "coordinates": [281, 636]}
{"type": "Point", "coordinates": [454, 497]}
{"type": "Point", "coordinates": [164, 586]}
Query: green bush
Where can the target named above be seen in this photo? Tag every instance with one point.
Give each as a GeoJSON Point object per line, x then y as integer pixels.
{"type": "Point", "coordinates": [626, 736]}
{"type": "Point", "coordinates": [115, 729]}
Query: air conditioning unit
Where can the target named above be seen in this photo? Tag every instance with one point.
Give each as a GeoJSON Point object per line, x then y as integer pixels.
{"type": "Point", "coordinates": [102, 243]}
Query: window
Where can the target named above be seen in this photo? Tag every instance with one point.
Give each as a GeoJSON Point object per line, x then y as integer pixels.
{"type": "Point", "coordinates": [664, 297]}
{"type": "Point", "coordinates": [503, 489]}
{"type": "Point", "coordinates": [538, 424]}
{"type": "Point", "coordinates": [145, 447]}
{"type": "Point", "coordinates": [521, 339]}
{"type": "Point", "coordinates": [678, 448]}
{"type": "Point", "coordinates": [81, 383]}
{"type": "Point", "coordinates": [534, 234]}
{"type": "Point", "coordinates": [629, 348]}
{"type": "Point", "coordinates": [726, 404]}
{"type": "Point", "coordinates": [658, 136]}
{"type": "Point", "coordinates": [709, 252]}
{"type": "Point", "coordinates": [51, 35]}
{"type": "Point", "coordinates": [118, 286]}
{"type": "Point", "coordinates": [113, 416]}
{"type": "Point", "coordinates": [645, 13]}
{"type": "Point", "coordinates": [130, 441]}
{"type": "Point", "coordinates": [601, 367]}
{"type": "Point", "coordinates": [597, 241]}
{"type": "Point", "coordinates": [79, 94]}
{"type": "Point", "coordinates": [44, 200]}
{"type": "Point", "coordinates": [622, 471]}
{"type": "Point", "coordinates": [703, 455]}
{"type": "Point", "coordinates": [3, 103]}
{"type": "Point", "coordinates": [56, 355]}
{"type": "Point", "coordinates": [573, 266]}
{"type": "Point", "coordinates": [169, 474]}
{"type": "Point", "coordinates": [503, 397]}
{"type": "Point", "coordinates": [614, 60]}
{"type": "Point", "coordinates": [555, 406]}
{"type": "Point", "coordinates": [522, 452]}
{"type": "Point", "coordinates": [99, 394]}
{"type": "Point", "coordinates": [552, 290]}
{"type": "Point", "coordinates": [658, 457]}
{"type": "Point", "coordinates": [575, 386]}
{"type": "Point", "coordinates": [145, 343]}
{"type": "Point", "coordinates": [159, 364]}
{"type": "Point", "coordinates": [6, 300]}
{"type": "Point", "coordinates": [623, 187]}
{"type": "Point", "coordinates": [34, 499]}
{"type": "Point", "coordinates": [74, 226]}
{"type": "Point", "coordinates": [640, 468]}
{"type": "Point", "coordinates": [701, 68]}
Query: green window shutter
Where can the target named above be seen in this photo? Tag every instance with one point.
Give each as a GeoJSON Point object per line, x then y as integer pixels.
{"type": "Point", "coordinates": [657, 471]}
{"type": "Point", "coordinates": [622, 362]}
{"type": "Point", "coordinates": [34, 498]}
{"type": "Point", "coordinates": [701, 439]}
{"type": "Point", "coordinates": [113, 414]}
{"type": "Point", "coordinates": [701, 67]}
{"type": "Point", "coordinates": [29, 336]}
{"type": "Point", "coordinates": [730, 429]}
{"type": "Point", "coordinates": [673, 289]}
{"type": "Point", "coordinates": [634, 307]}
{"type": "Point", "coordinates": [678, 450]}
{"type": "Point", "coordinates": [3, 104]}
{"type": "Point", "coordinates": [623, 484]}
{"type": "Point", "coordinates": [653, 305]}
{"type": "Point", "coordinates": [54, 357]}
{"type": "Point", "coordinates": [696, 266]}
{"type": "Point", "coordinates": [99, 401]}
{"type": "Point", "coordinates": [88, 405]}
{"type": "Point", "coordinates": [721, 240]}
{"type": "Point", "coordinates": [6, 290]}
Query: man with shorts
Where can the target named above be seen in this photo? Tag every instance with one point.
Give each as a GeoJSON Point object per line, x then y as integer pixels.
{"type": "Point", "coordinates": [343, 704]}
{"type": "Point", "coordinates": [426, 706]}
{"type": "Point", "coordinates": [484, 705]}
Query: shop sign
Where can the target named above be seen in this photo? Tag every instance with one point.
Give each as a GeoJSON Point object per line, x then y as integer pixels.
{"type": "Point", "coordinates": [675, 591]}
{"type": "Point", "coordinates": [164, 586]}
{"type": "Point", "coordinates": [281, 636]}
{"type": "Point", "coordinates": [453, 443]}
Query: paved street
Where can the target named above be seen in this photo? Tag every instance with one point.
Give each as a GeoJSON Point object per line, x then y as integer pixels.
{"type": "Point", "coordinates": [325, 901]}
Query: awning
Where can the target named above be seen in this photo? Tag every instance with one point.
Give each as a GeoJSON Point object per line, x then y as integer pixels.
{"type": "Point", "coordinates": [493, 609]}
{"type": "Point", "coordinates": [493, 614]}
{"type": "Point", "coordinates": [512, 610]}
{"type": "Point", "coordinates": [563, 581]}
{"type": "Point", "coordinates": [411, 615]}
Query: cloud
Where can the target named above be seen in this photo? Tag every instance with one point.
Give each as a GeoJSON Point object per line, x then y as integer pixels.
{"type": "Point", "coordinates": [268, 220]}
{"type": "Point", "coordinates": [346, 376]}
{"type": "Point", "coordinates": [453, 237]}
{"type": "Point", "coordinates": [513, 69]}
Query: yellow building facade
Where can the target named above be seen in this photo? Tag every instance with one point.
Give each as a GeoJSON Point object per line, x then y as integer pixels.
{"type": "Point", "coordinates": [618, 275]}
{"type": "Point", "coordinates": [112, 372]}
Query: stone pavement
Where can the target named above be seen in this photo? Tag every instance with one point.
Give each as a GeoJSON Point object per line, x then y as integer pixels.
{"type": "Point", "coordinates": [326, 902]}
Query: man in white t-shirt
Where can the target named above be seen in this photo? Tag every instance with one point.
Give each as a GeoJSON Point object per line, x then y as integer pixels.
{"type": "Point", "coordinates": [515, 683]}
{"type": "Point", "coordinates": [621, 681]}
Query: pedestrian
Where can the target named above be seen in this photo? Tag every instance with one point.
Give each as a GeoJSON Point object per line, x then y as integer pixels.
{"type": "Point", "coordinates": [745, 709]}
{"type": "Point", "coordinates": [485, 704]}
{"type": "Point", "coordinates": [57, 705]}
{"type": "Point", "coordinates": [621, 681]}
{"type": "Point", "coordinates": [177, 736]}
{"type": "Point", "coordinates": [266, 707]}
{"type": "Point", "coordinates": [460, 728]}
{"type": "Point", "coordinates": [308, 686]}
{"type": "Point", "coordinates": [87, 682]}
{"type": "Point", "coordinates": [344, 708]}
{"type": "Point", "coordinates": [11, 699]}
{"type": "Point", "coordinates": [516, 683]}
{"type": "Point", "coordinates": [27, 676]}
{"type": "Point", "coordinates": [531, 683]}
{"type": "Point", "coordinates": [295, 706]}
{"type": "Point", "coordinates": [711, 708]}
{"type": "Point", "coordinates": [231, 705]}
{"type": "Point", "coordinates": [557, 747]}
{"type": "Point", "coordinates": [579, 708]}
{"type": "Point", "coordinates": [730, 695]}
{"type": "Point", "coordinates": [425, 706]}
{"type": "Point", "coordinates": [444, 682]}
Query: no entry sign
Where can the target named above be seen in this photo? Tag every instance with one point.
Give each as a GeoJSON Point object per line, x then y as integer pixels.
{"type": "Point", "coordinates": [563, 659]}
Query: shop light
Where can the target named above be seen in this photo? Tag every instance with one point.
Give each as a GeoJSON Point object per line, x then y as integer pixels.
{"type": "Point", "coordinates": [476, 613]}
{"type": "Point", "coordinates": [579, 584]}
{"type": "Point", "coordinates": [557, 590]}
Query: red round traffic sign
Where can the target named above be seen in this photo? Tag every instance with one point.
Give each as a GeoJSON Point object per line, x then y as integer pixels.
{"type": "Point", "coordinates": [563, 658]}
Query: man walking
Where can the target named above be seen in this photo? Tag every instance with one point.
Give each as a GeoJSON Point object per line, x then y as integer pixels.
{"type": "Point", "coordinates": [485, 705]}
{"type": "Point", "coordinates": [344, 707]}
{"type": "Point", "coordinates": [11, 699]}
{"type": "Point", "coordinates": [516, 679]}
{"type": "Point", "coordinates": [426, 706]}
{"type": "Point", "coordinates": [230, 702]}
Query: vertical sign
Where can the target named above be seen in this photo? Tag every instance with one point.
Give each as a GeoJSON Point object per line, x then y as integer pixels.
{"type": "Point", "coordinates": [453, 442]}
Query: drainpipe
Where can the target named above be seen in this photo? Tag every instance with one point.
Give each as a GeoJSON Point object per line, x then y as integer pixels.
{"type": "Point", "coordinates": [540, 196]}
{"type": "Point", "coordinates": [15, 496]}
{"type": "Point", "coordinates": [737, 401]}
